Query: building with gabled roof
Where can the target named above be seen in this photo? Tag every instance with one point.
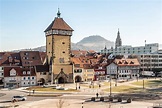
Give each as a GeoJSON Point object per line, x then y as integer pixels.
{"type": "Point", "coordinates": [30, 58]}
{"type": "Point", "coordinates": [10, 58]}
{"type": "Point", "coordinates": [15, 76]}
{"type": "Point", "coordinates": [123, 69]}
{"type": "Point", "coordinates": [23, 63]}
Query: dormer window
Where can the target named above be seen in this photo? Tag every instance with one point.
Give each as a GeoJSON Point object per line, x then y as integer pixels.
{"type": "Point", "coordinates": [25, 53]}
{"type": "Point", "coordinates": [131, 62]}
{"type": "Point", "coordinates": [12, 72]}
{"type": "Point", "coordinates": [24, 72]}
{"type": "Point", "coordinates": [28, 72]}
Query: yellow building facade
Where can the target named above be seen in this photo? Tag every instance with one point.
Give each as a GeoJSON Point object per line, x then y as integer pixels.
{"type": "Point", "coordinates": [58, 49]}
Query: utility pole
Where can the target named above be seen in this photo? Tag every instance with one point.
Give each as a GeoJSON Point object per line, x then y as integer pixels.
{"type": "Point", "coordinates": [30, 78]}
{"type": "Point", "coordinates": [110, 80]}
{"type": "Point", "coordinates": [116, 75]}
{"type": "Point", "coordinates": [111, 57]}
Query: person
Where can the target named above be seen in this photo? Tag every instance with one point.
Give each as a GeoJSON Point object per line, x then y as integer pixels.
{"type": "Point", "coordinates": [33, 91]}
{"type": "Point", "coordinates": [82, 104]}
{"type": "Point", "coordinates": [97, 95]}
{"type": "Point", "coordinates": [99, 85]}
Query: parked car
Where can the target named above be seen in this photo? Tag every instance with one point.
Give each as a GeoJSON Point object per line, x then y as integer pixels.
{"type": "Point", "coordinates": [18, 98]}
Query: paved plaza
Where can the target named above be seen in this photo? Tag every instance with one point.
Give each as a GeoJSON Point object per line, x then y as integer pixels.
{"type": "Point", "coordinates": [81, 99]}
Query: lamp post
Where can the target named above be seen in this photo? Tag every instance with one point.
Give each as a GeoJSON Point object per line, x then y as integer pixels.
{"type": "Point", "coordinates": [116, 76]}
{"type": "Point", "coordinates": [111, 57]}
{"type": "Point", "coordinates": [76, 83]}
{"type": "Point", "coordinates": [30, 77]}
{"type": "Point", "coordinates": [110, 80]}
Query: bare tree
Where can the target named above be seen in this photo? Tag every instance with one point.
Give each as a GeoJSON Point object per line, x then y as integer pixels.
{"type": "Point", "coordinates": [60, 103]}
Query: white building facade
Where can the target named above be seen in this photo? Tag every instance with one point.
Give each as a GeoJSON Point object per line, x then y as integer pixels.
{"type": "Point", "coordinates": [1, 75]}
{"type": "Point", "coordinates": [150, 62]}
{"type": "Point", "coordinates": [128, 50]}
{"type": "Point", "coordinates": [123, 69]}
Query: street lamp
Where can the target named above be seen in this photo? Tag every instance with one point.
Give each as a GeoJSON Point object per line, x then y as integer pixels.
{"type": "Point", "coordinates": [116, 76]}
{"type": "Point", "coordinates": [111, 57]}
{"type": "Point", "coordinates": [76, 83]}
{"type": "Point", "coordinates": [143, 84]}
{"type": "Point", "coordinates": [30, 77]}
{"type": "Point", "coordinates": [110, 80]}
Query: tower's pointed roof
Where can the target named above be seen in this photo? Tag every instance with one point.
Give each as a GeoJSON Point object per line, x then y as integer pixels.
{"type": "Point", "coordinates": [58, 24]}
{"type": "Point", "coordinates": [118, 35]}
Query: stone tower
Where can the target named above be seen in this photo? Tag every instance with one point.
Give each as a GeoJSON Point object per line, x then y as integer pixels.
{"type": "Point", "coordinates": [58, 48]}
{"type": "Point", "coordinates": [118, 41]}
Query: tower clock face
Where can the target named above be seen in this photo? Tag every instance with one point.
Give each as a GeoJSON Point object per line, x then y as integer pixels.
{"type": "Point", "coordinates": [59, 32]}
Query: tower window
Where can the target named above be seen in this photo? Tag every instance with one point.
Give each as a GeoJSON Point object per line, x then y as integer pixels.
{"type": "Point", "coordinates": [63, 42]}
{"type": "Point", "coordinates": [61, 60]}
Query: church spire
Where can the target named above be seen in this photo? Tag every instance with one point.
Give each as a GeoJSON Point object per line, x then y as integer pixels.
{"type": "Point", "coordinates": [118, 42]}
{"type": "Point", "coordinates": [58, 13]}
{"type": "Point", "coordinates": [105, 47]}
{"type": "Point", "coordinates": [118, 35]}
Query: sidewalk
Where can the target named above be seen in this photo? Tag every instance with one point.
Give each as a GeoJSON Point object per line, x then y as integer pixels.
{"type": "Point", "coordinates": [52, 103]}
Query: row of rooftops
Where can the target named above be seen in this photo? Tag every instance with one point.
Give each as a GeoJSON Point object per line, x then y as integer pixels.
{"type": "Point", "coordinates": [22, 58]}
{"type": "Point", "coordinates": [80, 59]}
{"type": "Point", "coordinates": [96, 61]}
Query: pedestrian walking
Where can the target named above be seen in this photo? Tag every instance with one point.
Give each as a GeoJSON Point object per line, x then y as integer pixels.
{"type": "Point", "coordinates": [97, 95]}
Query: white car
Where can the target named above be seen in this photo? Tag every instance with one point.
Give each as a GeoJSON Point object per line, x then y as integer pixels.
{"type": "Point", "coordinates": [19, 98]}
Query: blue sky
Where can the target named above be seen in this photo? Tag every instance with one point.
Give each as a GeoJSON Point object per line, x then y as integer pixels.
{"type": "Point", "coordinates": [22, 22]}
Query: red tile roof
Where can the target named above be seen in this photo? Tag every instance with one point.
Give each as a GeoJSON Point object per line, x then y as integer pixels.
{"type": "Point", "coordinates": [58, 24]}
{"type": "Point", "coordinates": [9, 58]}
{"type": "Point", "coordinates": [127, 62]}
{"type": "Point", "coordinates": [19, 71]}
{"type": "Point", "coordinates": [32, 57]}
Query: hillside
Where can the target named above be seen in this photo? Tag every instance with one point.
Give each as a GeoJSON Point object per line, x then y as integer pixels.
{"type": "Point", "coordinates": [96, 43]}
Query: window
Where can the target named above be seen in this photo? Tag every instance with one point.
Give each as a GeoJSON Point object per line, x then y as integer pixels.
{"type": "Point", "coordinates": [24, 83]}
{"type": "Point", "coordinates": [25, 53]}
{"type": "Point", "coordinates": [63, 42]}
{"type": "Point", "coordinates": [32, 82]}
{"type": "Point", "coordinates": [61, 60]}
{"type": "Point", "coordinates": [28, 72]}
{"type": "Point", "coordinates": [24, 72]}
{"type": "Point", "coordinates": [49, 43]}
{"type": "Point", "coordinates": [28, 77]}
{"type": "Point", "coordinates": [2, 68]}
{"type": "Point", "coordinates": [63, 52]}
{"type": "Point", "coordinates": [32, 77]}
{"type": "Point", "coordinates": [25, 58]}
{"type": "Point", "coordinates": [24, 78]}
{"type": "Point", "coordinates": [33, 57]}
